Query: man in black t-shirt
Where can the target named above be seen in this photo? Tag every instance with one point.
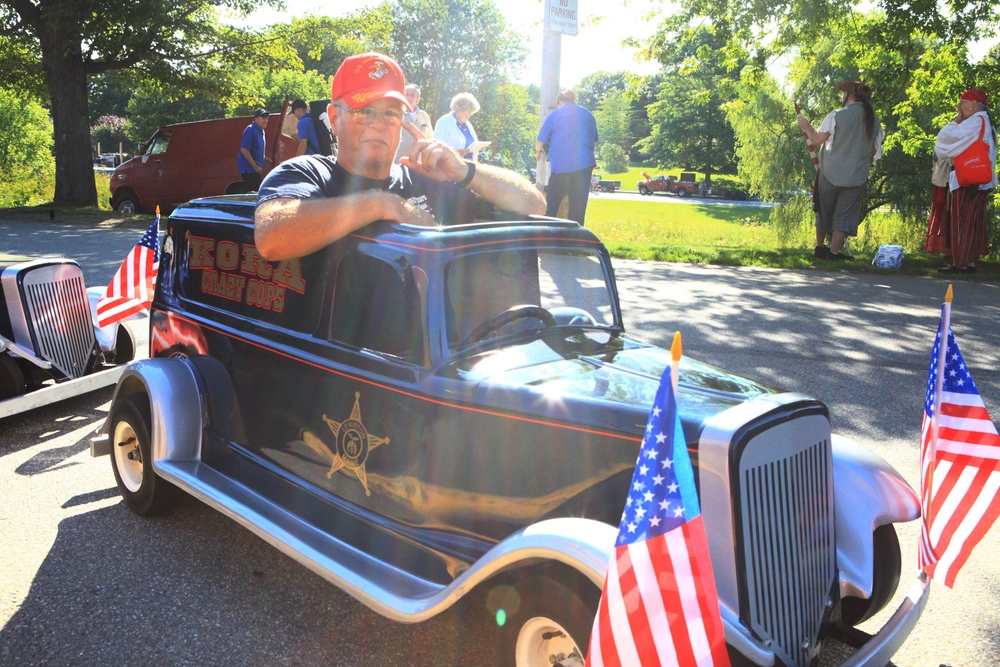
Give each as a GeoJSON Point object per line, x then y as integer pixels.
{"type": "Point", "coordinates": [308, 202]}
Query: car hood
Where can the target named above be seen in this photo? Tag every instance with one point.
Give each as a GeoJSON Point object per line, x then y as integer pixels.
{"type": "Point", "coordinates": [617, 377]}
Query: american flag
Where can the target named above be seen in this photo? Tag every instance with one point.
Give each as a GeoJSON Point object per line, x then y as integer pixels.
{"type": "Point", "coordinates": [959, 469]}
{"type": "Point", "coordinates": [131, 289]}
{"type": "Point", "coordinates": [659, 605]}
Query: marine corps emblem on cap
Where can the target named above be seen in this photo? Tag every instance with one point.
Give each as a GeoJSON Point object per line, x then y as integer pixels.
{"type": "Point", "coordinates": [378, 70]}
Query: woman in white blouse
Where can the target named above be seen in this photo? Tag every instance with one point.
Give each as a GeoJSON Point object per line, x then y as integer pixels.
{"type": "Point", "coordinates": [455, 129]}
{"type": "Point", "coordinates": [968, 237]}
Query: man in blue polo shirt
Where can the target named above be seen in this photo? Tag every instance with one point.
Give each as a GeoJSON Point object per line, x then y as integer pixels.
{"type": "Point", "coordinates": [308, 141]}
{"type": "Point", "coordinates": [250, 159]}
{"type": "Point", "coordinates": [571, 133]}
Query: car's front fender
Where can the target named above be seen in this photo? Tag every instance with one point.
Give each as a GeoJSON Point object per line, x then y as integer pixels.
{"type": "Point", "coordinates": [868, 494]}
{"type": "Point", "coordinates": [175, 403]}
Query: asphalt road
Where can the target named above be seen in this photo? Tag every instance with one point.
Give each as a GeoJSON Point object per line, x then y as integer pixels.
{"type": "Point", "coordinates": [83, 581]}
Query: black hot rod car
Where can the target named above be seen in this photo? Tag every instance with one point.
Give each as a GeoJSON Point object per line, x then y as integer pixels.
{"type": "Point", "coordinates": [415, 412]}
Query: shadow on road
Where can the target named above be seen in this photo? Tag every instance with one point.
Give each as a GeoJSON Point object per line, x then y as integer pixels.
{"type": "Point", "coordinates": [195, 588]}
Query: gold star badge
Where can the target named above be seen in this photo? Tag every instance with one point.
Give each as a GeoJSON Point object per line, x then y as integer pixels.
{"type": "Point", "coordinates": [353, 443]}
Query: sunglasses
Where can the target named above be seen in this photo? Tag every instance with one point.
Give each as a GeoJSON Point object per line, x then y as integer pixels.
{"type": "Point", "coordinates": [367, 116]}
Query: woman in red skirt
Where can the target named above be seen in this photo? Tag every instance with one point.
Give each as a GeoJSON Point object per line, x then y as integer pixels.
{"type": "Point", "coordinates": [967, 237]}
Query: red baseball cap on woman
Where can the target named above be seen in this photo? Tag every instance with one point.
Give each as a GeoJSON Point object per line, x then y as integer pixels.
{"type": "Point", "coordinates": [975, 95]}
{"type": "Point", "coordinates": [365, 78]}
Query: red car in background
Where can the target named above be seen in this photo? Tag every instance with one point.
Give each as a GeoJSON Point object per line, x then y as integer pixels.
{"type": "Point", "coordinates": [683, 187]}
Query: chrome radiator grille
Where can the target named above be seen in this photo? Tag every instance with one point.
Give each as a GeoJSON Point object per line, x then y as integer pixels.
{"type": "Point", "coordinates": [788, 547]}
{"type": "Point", "coordinates": [59, 316]}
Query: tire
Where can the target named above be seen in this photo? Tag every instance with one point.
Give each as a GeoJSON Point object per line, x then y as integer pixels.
{"type": "Point", "coordinates": [12, 382]}
{"type": "Point", "coordinates": [643, 190]}
{"type": "Point", "coordinates": [544, 617]}
{"type": "Point", "coordinates": [682, 193]}
{"type": "Point", "coordinates": [885, 578]}
{"type": "Point", "coordinates": [128, 204]}
{"type": "Point", "coordinates": [131, 458]}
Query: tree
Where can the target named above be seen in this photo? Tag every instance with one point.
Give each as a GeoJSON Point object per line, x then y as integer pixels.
{"type": "Point", "coordinates": [688, 125]}
{"type": "Point", "coordinates": [593, 88]}
{"type": "Point", "coordinates": [614, 120]}
{"type": "Point", "coordinates": [614, 158]}
{"type": "Point", "coordinates": [77, 40]}
{"type": "Point", "coordinates": [769, 28]}
{"type": "Point", "coordinates": [25, 149]}
{"type": "Point", "coordinates": [108, 133]}
{"type": "Point", "coordinates": [108, 94]}
{"type": "Point", "coordinates": [511, 125]}
{"type": "Point", "coordinates": [322, 42]}
{"type": "Point", "coordinates": [452, 46]}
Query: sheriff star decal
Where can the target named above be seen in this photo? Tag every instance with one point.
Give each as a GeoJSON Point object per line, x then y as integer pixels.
{"type": "Point", "coordinates": [352, 444]}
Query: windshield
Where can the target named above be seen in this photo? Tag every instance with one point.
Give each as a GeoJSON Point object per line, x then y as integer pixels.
{"type": "Point", "coordinates": [570, 284]}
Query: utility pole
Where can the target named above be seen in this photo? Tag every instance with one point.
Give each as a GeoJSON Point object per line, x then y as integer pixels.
{"type": "Point", "coordinates": [561, 16]}
{"type": "Point", "coordinates": [551, 52]}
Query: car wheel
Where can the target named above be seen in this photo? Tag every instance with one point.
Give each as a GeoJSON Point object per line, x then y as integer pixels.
{"type": "Point", "coordinates": [545, 619]}
{"type": "Point", "coordinates": [132, 460]}
{"type": "Point", "coordinates": [643, 190]}
{"type": "Point", "coordinates": [682, 193]}
{"type": "Point", "coordinates": [12, 381]}
{"type": "Point", "coordinates": [127, 204]}
{"type": "Point", "coordinates": [885, 578]}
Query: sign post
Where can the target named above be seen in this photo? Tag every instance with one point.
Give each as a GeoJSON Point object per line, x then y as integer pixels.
{"type": "Point", "coordinates": [561, 17]}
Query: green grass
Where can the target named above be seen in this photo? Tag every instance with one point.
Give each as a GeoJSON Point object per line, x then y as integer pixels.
{"type": "Point", "coordinates": [743, 236]}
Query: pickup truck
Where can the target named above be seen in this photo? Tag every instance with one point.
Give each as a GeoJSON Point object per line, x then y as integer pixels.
{"type": "Point", "coordinates": [413, 413]}
{"type": "Point", "coordinates": [599, 184]}
{"type": "Point", "coordinates": [683, 187]}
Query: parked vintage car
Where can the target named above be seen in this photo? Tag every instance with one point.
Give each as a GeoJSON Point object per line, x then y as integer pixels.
{"type": "Point", "coordinates": [50, 345]}
{"type": "Point", "coordinates": [413, 413]}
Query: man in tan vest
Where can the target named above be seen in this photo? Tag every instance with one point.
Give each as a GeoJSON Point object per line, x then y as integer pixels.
{"type": "Point", "coordinates": [851, 141]}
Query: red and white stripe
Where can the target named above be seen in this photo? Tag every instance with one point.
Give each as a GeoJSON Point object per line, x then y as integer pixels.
{"type": "Point", "coordinates": [131, 290]}
{"type": "Point", "coordinates": [658, 607]}
{"type": "Point", "coordinates": [961, 485]}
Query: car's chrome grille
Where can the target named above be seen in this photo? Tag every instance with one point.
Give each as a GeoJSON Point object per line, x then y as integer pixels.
{"type": "Point", "coordinates": [788, 546]}
{"type": "Point", "coordinates": [60, 318]}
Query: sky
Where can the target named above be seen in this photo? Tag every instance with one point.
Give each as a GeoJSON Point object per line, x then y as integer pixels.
{"type": "Point", "coordinates": [597, 46]}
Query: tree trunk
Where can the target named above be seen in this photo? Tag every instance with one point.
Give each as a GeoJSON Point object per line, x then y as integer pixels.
{"type": "Point", "coordinates": [62, 60]}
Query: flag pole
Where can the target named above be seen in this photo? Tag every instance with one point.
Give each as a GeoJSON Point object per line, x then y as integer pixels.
{"type": "Point", "coordinates": [675, 354]}
{"type": "Point", "coordinates": [936, 409]}
{"type": "Point", "coordinates": [809, 144]}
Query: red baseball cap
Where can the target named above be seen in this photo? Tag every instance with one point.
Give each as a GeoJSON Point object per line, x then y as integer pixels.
{"type": "Point", "coordinates": [368, 77]}
{"type": "Point", "coordinates": [976, 95]}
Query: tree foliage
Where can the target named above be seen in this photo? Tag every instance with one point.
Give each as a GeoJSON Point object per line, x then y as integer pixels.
{"type": "Point", "coordinates": [108, 133]}
{"type": "Point", "coordinates": [614, 120]}
{"type": "Point", "coordinates": [26, 162]}
{"type": "Point", "coordinates": [687, 125]}
{"type": "Point", "coordinates": [510, 126]}
{"type": "Point", "coordinates": [453, 46]}
{"type": "Point", "coordinates": [322, 42]}
{"type": "Point", "coordinates": [25, 133]}
{"type": "Point", "coordinates": [614, 159]}
{"type": "Point", "coordinates": [593, 88]}
{"type": "Point", "coordinates": [182, 40]}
